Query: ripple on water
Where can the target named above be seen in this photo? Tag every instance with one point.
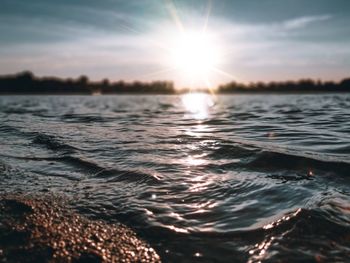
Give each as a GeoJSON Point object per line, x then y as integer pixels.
{"type": "Point", "coordinates": [250, 178]}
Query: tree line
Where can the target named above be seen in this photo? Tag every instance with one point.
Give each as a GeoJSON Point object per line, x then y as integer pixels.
{"type": "Point", "coordinates": [304, 85]}
{"type": "Point", "coordinates": [27, 83]}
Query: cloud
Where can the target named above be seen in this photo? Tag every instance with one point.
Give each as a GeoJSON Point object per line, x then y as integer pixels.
{"type": "Point", "coordinates": [304, 21]}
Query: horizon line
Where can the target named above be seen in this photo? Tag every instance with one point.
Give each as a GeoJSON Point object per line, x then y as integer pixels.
{"type": "Point", "coordinates": [128, 81]}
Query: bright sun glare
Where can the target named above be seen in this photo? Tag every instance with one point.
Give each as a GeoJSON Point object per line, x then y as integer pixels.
{"type": "Point", "coordinates": [195, 54]}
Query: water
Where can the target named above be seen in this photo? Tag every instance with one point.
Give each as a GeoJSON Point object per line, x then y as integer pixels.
{"type": "Point", "coordinates": [241, 178]}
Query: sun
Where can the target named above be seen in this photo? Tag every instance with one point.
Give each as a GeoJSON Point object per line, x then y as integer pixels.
{"type": "Point", "coordinates": [195, 54]}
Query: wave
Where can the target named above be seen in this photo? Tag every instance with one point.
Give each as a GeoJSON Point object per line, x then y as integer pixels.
{"type": "Point", "coordinates": [319, 234]}
{"type": "Point", "coordinates": [4, 168]}
{"type": "Point", "coordinates": [227, 150]}
{"type": "Point", "coordinates": [269, 160]}
{"type": "Point", "coordinates": [85, 118]}
{"type": "Point", "coordinates": [90, 169]}
{"type": "Point", "coordinates": [24, 111]}
{"type": "Point", "coordinates": [52, 142]}
{"type": "Point", "coordinates": [110, 175]}
{"type": "Point", "coordinates": [257, 159]}
{"type": "Point", "coordinates": [8, 129]}
{"type": "Point", "coordinates": [114, 175]}
{"type": "Point", "coordinates": [49, 141]}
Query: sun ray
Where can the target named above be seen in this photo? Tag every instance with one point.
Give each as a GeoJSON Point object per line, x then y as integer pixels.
{"type": "Point", "coordinates": [207, 83]}
{"type": "Point", "coordinates": [207, 16]}
{"type": "Point", "coordinates": [158, 44]}
{"type": "Point", "coordinates": [226, 74]}
{"type": "Point", "coordinates": [173, 12]}
{"type": "Point", "coordinates": [209, 87]}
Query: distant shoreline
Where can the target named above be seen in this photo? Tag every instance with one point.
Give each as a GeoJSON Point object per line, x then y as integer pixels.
{"type": "Point", "coordinates": [176, 93]}
{"type": "Point", "coordinates": [26, 83]}
{"type": "Point", "coordinates": [180, 93]}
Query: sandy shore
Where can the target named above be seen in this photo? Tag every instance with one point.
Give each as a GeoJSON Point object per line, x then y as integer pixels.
{"type": "Point", "coordinates": [42, 229]}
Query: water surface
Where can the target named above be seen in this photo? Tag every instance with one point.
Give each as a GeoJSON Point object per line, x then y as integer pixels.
{"type": "Point", "coordinates": [236, 178]}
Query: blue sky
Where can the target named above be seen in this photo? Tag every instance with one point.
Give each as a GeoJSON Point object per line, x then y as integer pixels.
{"type": "Point", "coordinates": [261, 39]}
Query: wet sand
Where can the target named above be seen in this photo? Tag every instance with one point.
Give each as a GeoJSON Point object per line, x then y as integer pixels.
{"type": "Point", "coordinates": [42, 229]}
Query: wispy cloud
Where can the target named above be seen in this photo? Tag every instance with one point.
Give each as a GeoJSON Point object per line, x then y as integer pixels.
{"type": "Point", "coordinates": [304, 21]}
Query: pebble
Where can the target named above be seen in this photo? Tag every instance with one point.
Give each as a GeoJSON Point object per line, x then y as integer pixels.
{"type": "Point", "coordinates": [57, 234]}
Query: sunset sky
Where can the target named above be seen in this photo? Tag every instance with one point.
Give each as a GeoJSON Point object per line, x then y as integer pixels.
{"type": "Point", "coordinates": [257, 39]}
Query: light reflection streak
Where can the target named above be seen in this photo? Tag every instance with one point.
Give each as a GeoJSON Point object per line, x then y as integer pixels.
{"type": "Point", "coordinates": [197, 107]}
{"type": "Point", "coordinates": [200, 184]}
{"type": "Point", "coordinates": [178, 229]}
{"type": "Point", "coordinates": [260, 249]}
{"type": "Point", "coordinates": [281, 220]}
{"type": "Point", "coordinates": [194, 161]}
{"type": "Point", "coordinates": [176, 215]}
{"type": "Point", "coordinates": [198, 130]}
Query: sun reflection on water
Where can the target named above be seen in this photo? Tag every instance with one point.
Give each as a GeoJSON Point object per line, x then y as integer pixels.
{"type": "Point", "coordinates": [198, 104]}
{"type": "Point", "coordinates": [197, 135]}
{"type": "Point", "coordinates": [195, 161]}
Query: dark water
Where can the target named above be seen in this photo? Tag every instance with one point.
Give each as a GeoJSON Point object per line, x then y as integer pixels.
{"type": "Point", "coordinates": [229, 179]}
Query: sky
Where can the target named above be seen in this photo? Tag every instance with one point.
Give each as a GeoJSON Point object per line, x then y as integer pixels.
{"type": "Point", "coordinates": [258, 40]}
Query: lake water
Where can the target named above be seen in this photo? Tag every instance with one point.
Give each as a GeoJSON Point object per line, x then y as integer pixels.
{"type": "Point", "coordinates": [236, 178]}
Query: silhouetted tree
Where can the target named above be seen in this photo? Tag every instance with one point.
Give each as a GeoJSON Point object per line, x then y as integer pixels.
{"type": "Point", "coordinates": [83, 80]}
{"type": "Point", "coordinates": [26, 82]}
